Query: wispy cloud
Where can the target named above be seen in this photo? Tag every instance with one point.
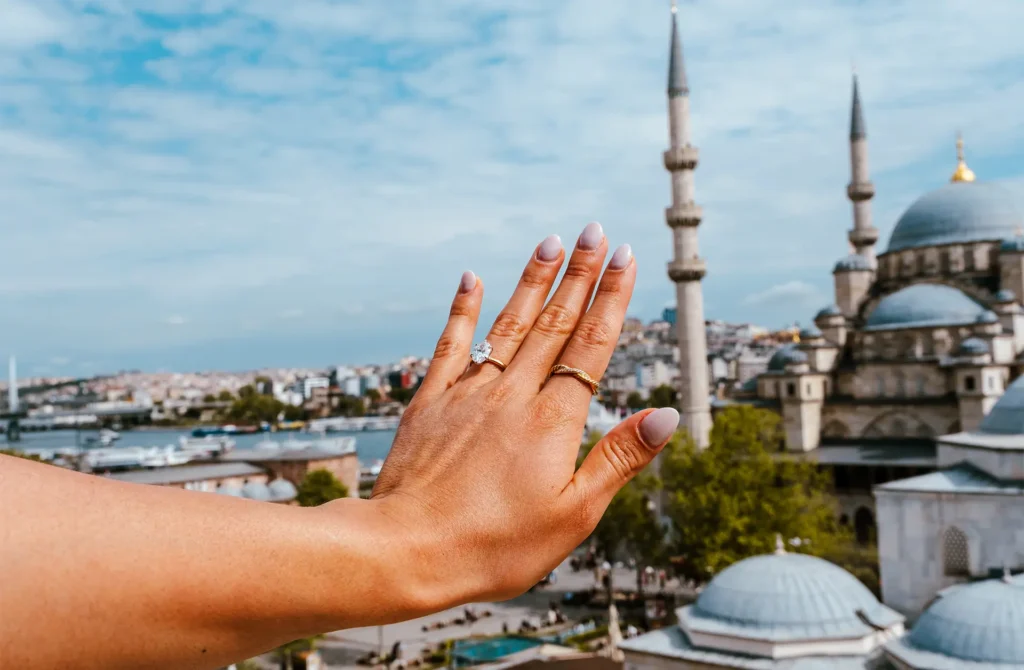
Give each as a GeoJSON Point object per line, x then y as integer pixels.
{"type": "Point", "coordinates": [218, 158]}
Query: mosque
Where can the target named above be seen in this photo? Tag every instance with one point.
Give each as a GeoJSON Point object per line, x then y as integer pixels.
{"type": "Point", "coordinates": [909, 388]}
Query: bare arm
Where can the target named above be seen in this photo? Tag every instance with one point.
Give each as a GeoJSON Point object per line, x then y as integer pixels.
{"type": "Point", "coordinates": [479, 498]}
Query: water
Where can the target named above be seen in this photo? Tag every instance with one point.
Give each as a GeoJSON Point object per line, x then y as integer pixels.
{"type": "Point", "coordinates": [473, 652]}
{"type": "Point", "coordinates": [370, 445]}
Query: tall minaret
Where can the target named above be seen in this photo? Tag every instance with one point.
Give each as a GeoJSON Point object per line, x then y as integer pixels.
{"type": "Point", "coordinates": [860, 190]}
{"type": "Point", "coordinates": [687, 267]}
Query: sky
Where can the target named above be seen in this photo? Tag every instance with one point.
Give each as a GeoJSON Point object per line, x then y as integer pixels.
{"type": "Point", "coordinates": [233, 184]}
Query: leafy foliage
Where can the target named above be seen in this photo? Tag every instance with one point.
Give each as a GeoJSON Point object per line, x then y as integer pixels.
{"type": "Point", "coordinates": [20, 454]}
{"type": "Point", "coordinates": [635, 401]}
{"type": "Point", "coordinates": [663, 396]}
{"type": "Point", "coordinates": [728, 501]}
{"type": "Point", "coordinates": [319, 487]}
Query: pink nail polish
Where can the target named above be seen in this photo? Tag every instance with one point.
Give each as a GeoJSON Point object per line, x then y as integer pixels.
{"type": "Point", "coordinates": [658, 426]}
{"type": "Point", "coordinates": [591, 237]}
{"type": "Point", "coordinates": [621, 257]}
{"type": "Point", "coordinates": [549, 248]}
{"type": "Point", "coordinates": [468, 282]}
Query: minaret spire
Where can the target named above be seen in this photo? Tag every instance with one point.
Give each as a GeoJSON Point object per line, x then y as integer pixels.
{"type": "Point", "coordinates": [687, 268]}
{"type": "Point", "coordinates": [962, 173]}
{"type": "Point", "coordinates": [860, 190]}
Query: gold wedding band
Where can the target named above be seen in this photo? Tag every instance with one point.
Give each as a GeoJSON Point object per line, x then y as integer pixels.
{"type": "Point", "coordinates": [578, 374]}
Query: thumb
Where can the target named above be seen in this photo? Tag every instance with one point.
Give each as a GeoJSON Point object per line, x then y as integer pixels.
{"type": "Point", "coordinates": [623, 452]}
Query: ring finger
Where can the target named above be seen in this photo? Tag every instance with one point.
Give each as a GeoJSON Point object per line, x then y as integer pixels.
{"type": "Point", "coordinates": [522, 309]}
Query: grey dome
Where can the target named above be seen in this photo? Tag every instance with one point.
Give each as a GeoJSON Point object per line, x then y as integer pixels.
{"type": "Point", "coordinates": [281, 490]}
{"type": "Point", "coordinates": [831, 310]}
{"type": "Point", "coordinates": [1005, 295]}
{"type": "Point", "coordinates": [810, 333]}
{"type": "Point", "coordinates": [988, 316]}
{"type": "Point", "coordinates": [229, 490]}
{"type": "Point", "coordinates": [787, 353]}
{"type": "Point", "coordinates": [787, 596]}
{"type": "Point", "coordinates": [852, 263]}
{"type": "Point", "coordinates": [957, 212]}
{"type": "Point", "coordinates": [256, 491]}
{"type": "Point", "coordinates": [1007, 415]}
{"type": "Point", "coordinates": [980, 623]}
{"type": "Point", "coordinates": [1013, 245]}
{"type": "Point", "coordinates": [924, 305]}
{"type": "Point", "coordinates": [974, 346]}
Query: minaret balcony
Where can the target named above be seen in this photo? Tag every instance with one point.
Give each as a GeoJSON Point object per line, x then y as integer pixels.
{"type": "Point", "coordinates": [690, 269]}
{"type": "Point", "coordinates": [681, 158]}
{"type": "Point", "coordinates": [686, 214]}
{"type": "Point", "coordinates": [860, 190]}
{"type": "Point", "coordinates": [863, 237]}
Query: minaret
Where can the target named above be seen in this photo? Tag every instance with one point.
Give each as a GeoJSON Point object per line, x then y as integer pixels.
{"type": "Point", "coordinates": [860, 191]}
{"type": "Point", "coordinates": [687, 267]}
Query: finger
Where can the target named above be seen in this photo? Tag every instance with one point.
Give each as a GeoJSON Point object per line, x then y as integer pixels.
{"type": "Point", "coordinates": [558, 319]}
{"type": "Point", "coordinates": [452, 351]}
{"type": "Point", "coordinates": [621, 454]}
{"type": "Point", "coordinates": [516, 319]}
{"type": "Point", "coordinates": [594, 340]}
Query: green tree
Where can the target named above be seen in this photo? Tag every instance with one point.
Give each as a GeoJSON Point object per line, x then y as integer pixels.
{"type": "Point", "coordinates": [373, 395]}
{"type": "Point", "coordinates": [635, 401]}
{"type": "Point", "coordinates": [225, 396]}
{"type": "Point", "coordinates": [295, 413]}
{"type": "Point", "coordinates": [209, 397]}
{"type": "Point", "coordinates": [286, 652]}
{"type": "Point", "coordinates": [319, 487]}
{"type": "Point", "coordinates": [21, 454]}
{"type": "Point", "coordinates": [401, 395]}
{"type": "Point", "coordinates": [663, 396]}
{"type": "Point", "coordinates": [727, 502]}
{"type": "Point", "coordinates": [252, 408]}
{"type": "Point", "coordinates": [246, 391]}
{"type": "Point", "coordinates": [347, 405]}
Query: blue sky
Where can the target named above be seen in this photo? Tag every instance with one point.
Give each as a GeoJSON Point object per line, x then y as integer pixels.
{"type": "Point", "coordinates": [190, 184]}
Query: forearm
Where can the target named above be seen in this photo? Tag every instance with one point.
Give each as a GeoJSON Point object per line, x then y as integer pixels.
{"type": "Point", "coordinates": [194, 580]}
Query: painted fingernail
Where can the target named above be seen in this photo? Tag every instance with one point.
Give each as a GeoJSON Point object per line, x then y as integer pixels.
{"type": "Point", "coordinates": [549, 248]}
{"type": "Point", "coordinates": [620, 258]}
{"type": "Point", "coordinates": [468, 282]}
{"type": "Point", "coordinates": [658, 426]}
{"type": "Point", "coordinates": [591, 236]}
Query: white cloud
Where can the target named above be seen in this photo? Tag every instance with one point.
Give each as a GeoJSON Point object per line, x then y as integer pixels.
{"type": "Point", "coordinates": [798, 292]}
{"type": "Point", "coordinates": [361, 156]}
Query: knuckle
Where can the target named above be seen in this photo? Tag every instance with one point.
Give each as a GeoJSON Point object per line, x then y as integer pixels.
{"type": "Point", "coordinates": [460, 309]}
{"type": "Point", "coordinates": [498, 392]}
{"type": "Point", "coordinates": [624, 457]}
{"type": "Point", "coordinates": [556, 320]}
{"type": "Point", "coordinates": [446, 347]}
{"type": "Point", "coordinates": [534, 277]}
{"type": "Point", "coordinates": [610, 286]}
{"type": "Point", "coordinates": [593, 333]}
{"type": "Point", "coordinates": [579, 269]}
{"type": "Point", "coordinates": [509, 325]}
{"type": "Point", "coordinates": [547, 413]}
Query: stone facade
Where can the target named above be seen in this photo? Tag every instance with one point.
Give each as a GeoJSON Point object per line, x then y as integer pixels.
{"type": "Point", "coordinates": [345, 467]}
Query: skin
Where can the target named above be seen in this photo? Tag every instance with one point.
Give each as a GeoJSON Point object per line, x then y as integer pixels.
{"type": "Point", "coordinates": [478, 499]}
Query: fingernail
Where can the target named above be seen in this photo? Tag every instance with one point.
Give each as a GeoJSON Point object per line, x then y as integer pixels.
{"type": "Point", "coordinates": [468, 282]}
{"type": "Point", "coordinates": [620, 258]}
{"type": "Point", "coordinates": [658, 426]}
{"type": "Point", "coordinates": [550, 248]}
{"type": "Point", "coordinates": [591, 236]}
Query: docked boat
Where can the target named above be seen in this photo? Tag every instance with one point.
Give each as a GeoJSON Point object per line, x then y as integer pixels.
{"type": "Point", "coordinates": [205, 447]}
{"type": "Point", "coordinates": [104, 438]}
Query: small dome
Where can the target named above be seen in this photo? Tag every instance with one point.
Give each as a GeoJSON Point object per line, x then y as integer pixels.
{"type": "Point", "coordinates": [810, 333]}
{"type": "Point", "coordinates": [1007, 415]}
{"type": "Point", "coordinates": [787, 594]}
{"type": "Point", "coordinates": [282, 489]}
{"type": "Point", "coordinates": [956, 213]}
{"type": "Point", "coordinates": [831, 310]}
{"type": "Point", "coordinates": [229, 490]}
{"type": "Point", "coordinates": [1013, 245]}
{"type": "Point", "coordinates": [988, 316]}
{"type": "Point", "coordinates": [256, 491]}
{"type": "Point", "coordinates": [749, 386]}
{"type": "Point", "coordinates": [924, 305]}
{"type": "Point", "coordinates": [973, 346]}
{"type": "Point", "coordinates": [1005, 295]}
{"type": "Point", "coordinates": [980, 622]}
{"type": "Point", "coordinates": [787, 353]}
{"type": "Point", "coordinates": [852, 263]}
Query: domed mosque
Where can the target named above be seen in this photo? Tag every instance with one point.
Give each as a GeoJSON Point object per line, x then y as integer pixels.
{"type": "Point", "coordinates": [778, 610]}
{"type": "Point", "coordinates": [901, 376]}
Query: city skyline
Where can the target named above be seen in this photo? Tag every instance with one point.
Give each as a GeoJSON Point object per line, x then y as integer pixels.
{"type": "Point", "coordinates": [247, 184]}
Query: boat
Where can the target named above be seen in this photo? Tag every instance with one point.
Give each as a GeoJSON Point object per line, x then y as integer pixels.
{"type": "Point", "coordinates": [205, 447]}
{"type": "Point", "coordinates": [105, 438]}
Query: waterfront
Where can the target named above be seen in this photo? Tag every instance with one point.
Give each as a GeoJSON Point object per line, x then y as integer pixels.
{"type": "Point", "coordinates": [370, 445]}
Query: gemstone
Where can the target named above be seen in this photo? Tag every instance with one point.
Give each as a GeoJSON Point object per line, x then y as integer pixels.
{"type": "Point", "coordinates": [480, 352]}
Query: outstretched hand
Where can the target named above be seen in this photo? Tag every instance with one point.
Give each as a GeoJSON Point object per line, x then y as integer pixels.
{"type": "Point", "coordinates": [482, 475]}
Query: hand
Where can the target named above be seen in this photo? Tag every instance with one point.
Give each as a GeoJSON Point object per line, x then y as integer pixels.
{"type": "Point", "coordinates": [482, 475]}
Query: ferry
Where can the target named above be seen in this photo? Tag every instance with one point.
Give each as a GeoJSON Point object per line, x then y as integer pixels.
{"type": "Point", "coordinates": [230, 429]}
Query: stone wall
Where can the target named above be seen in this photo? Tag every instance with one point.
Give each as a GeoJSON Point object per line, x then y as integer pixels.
{"type": "Point", "coordinates": [898, 420]}
{"type": "Point", "coordinates": [345, 468]}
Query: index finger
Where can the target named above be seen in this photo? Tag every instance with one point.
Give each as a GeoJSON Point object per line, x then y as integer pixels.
{"type": "Point", "coordinates": [592, 343]}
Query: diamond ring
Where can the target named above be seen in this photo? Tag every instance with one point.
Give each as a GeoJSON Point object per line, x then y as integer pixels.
{"type": "Point", "coordinates": [481, 353]}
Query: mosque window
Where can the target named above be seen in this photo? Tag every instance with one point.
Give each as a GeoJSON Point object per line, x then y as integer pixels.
{"type": "Point", "coordinates": [969, 383]}
{"type": "Point", "coordinates": [791, 389]}
{"type": "Point", "coordinates": [881, 385]}
{"type": "Point", "coordinates": [955, 553]}
{"type": "Point", "coordinates": [921, 385]}
{"type": "Point", "coordinates": [809, 391]}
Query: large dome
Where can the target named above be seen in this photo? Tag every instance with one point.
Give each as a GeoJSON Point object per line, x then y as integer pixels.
{"type": "Point", "coordinates": [957, 212]}
{"type": "Point", "coordinates": [1007, 415]}
{"type": "Point", "coordinates": [924, 305]}
{"type": "Point", "coordinates": [787, 596]}
{"type": "Point", "coordinates": [978, 623]}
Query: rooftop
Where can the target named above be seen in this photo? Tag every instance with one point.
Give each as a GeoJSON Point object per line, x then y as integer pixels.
{"type": "Point", "coordinates": [188, 473]}
{"type": "Point", "coordinates": [961, 478]}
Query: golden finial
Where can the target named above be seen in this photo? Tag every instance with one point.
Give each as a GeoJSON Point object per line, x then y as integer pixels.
{"type": "Point", "coordinates": [962, 173]}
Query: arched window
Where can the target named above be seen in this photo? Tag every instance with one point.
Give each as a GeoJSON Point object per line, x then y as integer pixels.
{"type": "Point", "coordinates": [897, 428]}
{"type": "Point", "coordinates": [955, 553]}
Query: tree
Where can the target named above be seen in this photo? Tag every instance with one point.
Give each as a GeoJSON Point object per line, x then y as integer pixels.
{"type": "Point", "coordinates": [401, 395]}
{"type": "Point", "coordinates": [663, 396]}
{"type": "Point", "coordinates": [209, 397]}
{"type": "Point", "coordinates": [21, 454]}
{"type": "Point", "coordinates": [225, 396]}
{"type": "Point", "coordinates": [286, 652]}
{"type": "Point", "coordinates": [319, 487]}
{"type": "Point", "coordinates": [373, 395]}
{"type": "Point", "coordinates": [728, 501]}
{"type": "Point", "coordinates": [294, 413]}
{"type": "Point", "coordinates": [252, 408]}
{"type": "Point", "coordinates": [635, 401]}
